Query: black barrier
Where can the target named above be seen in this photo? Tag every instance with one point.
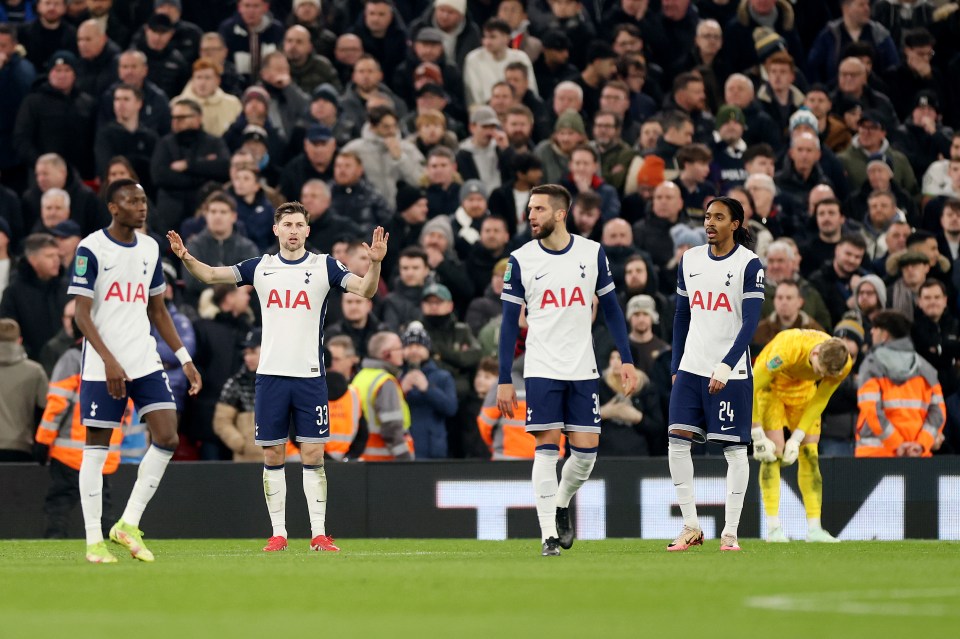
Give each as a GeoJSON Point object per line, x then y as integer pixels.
{"type": "Point", "coordinates": [863, 499]}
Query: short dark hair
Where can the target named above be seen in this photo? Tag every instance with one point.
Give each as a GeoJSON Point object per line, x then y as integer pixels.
{"type": "Point", "coordinates": [687, 77]}
{"type": "Point", "coordinates": [496, 218]}
{"type": "Point", "coordinates": [761, 150]}
{"type": "Point", "coordinates": [859, 49]}
{"type": "Point", "coordinates": [894, 322]}
{"type": "Point", "coordinates": [600, 50]}
{"type": "Point", "coordinates": [853, 239]}
{"type": "Point", "coordinates": [414, 252]}
{"type": "Point", "coordinates": [376, 114]}
{"type": "Point", "coordinates": [137, 91]}
{"type": "Point", "coordinates": [517, 66]}
{"type": "Point", "coordinates": [589, 149]}
{"type": "Point", "coordinates": [693, 153]}
{"type": "Point", "coordinates": [588, 200]}
{"type": "Point", "coordinates": [36, 242]}
{"type": "Point", "coordinates": [442, 152]}
{"type": "Point", "coordinates": [114, 187]}
{"type": "Point", "coordinates": [525, 162]}
{"type": "Point", "coordinates": [631, 29]}
{"type": "Point", "coordinates": [290, 208]}
{"type": "Point", "coordinates": [222, 198]}
{"type": "Point", "coordinates": [790, 282]}
{"type": "Point", "coordinates": [919, 237]}
{"type": "Point", "coordinates": [931, 282]}
{"type": "Point", "coordinates": [952, 203]}
{"type": "Point", "coordinates": [193, 105]}
{"type": "Point", "coordinates": [496, 24]}
{"type": "Point", "coordinates": [522, 109]}
{"type": "Point", "coordinates": [827, 200]}
{"type": "Point", "coordinates": [675, 120]}
{"type": "Point", "coordinates": [121, 159]}
{"type": "Point", "coordinates": [918, 37]}
{"type": "Point", "coordinates": [559, 196]}
{"type": "Point", "coordinates": [617, 120]}
{"type": "Point", "coordinates": [7, 29]}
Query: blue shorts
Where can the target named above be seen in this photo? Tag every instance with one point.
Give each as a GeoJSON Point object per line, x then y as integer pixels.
{"type": "Point", "coordinates": [725, 417]}
{"type": "Point", "coordinates": [563, 404]}
{"type": "Point", "coordinates": [280, 400]}
{"type": "Point", "coordinates": [149, 393]}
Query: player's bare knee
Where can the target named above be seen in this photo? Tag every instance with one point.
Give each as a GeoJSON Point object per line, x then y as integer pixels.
{"type": "Point", "coordinates": [584, 440]}
{"type": "Point", "coordinates": [274, 455]}
{"type": "Point", "coordinates": [311, 454]}
{"type": "Point", "coordinates": [547, 437]}
{"type": "Point", "coordinates": [99, 436]}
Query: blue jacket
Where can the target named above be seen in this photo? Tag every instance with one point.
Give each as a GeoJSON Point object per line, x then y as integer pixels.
{"type": "Point", "coordinates": [432, 407]}
{"type": "Point", "coordinates": [825, 52]}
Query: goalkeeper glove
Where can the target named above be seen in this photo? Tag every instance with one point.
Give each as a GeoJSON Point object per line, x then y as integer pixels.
{"type": "Point", "coordinates": [791, 449]}
{"type": "Point", "coordinates": [764, 449]}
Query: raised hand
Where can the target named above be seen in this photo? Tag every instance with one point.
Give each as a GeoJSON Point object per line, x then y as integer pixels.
{"type": "Point", "coordinates": [177, 245]}
{"type": "Point", "coordinates": [377, 249]}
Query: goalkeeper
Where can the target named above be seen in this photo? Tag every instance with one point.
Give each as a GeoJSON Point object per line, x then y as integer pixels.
{"type": "Point", "coordinates": [794, 377]}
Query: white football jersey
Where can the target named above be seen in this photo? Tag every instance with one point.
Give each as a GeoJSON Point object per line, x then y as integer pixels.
{"type": "Point", "coordinates": [716, 288]}
{"type": "Point", "coordinates": [293, 303]}
{"type": "Point", "coordinates": [119, 278]}
{"type": "Point", "coordinates": [558, 288]}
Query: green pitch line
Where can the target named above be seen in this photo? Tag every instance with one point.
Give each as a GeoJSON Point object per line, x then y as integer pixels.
{"type": "Point", "coordinates": [489, 590]}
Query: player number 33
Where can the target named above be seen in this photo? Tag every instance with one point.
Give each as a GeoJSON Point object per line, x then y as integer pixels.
{"type": "Point", "coordinates": [322, 415]}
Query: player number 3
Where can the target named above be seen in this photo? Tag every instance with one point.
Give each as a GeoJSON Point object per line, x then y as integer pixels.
{"type": "Point", "coordinates": [726, 412]}
{"type": "Point", "coordinates": [322, 416]}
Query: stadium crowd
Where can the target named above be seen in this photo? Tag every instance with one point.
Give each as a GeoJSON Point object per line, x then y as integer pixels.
{"type": "Point", "coordinates": [833, 125]}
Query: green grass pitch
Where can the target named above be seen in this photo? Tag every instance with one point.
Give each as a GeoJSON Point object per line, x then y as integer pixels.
{"type": "Point", "coordinates": [493, 590]}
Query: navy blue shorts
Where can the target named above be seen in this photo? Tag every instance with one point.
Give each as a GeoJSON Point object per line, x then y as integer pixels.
{"type": "Point", "coordinates": [281, 399]}
{"type": "Point", "coordinates": [149, 393]}
{"type": "Point", "coordinates": [563, 404]}
{"type": "Point", "coordinates": [725, 417]}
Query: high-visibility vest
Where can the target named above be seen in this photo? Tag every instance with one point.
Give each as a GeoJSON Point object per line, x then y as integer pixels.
{"type": "Point", "coordinates": [344, 422]}
{"type": "Point", "coordinates": [507, 437]}
{"type": "Point", "coordinates": [60, 426]}
{"type": "Point", "coordinates": [368, 383]}
{"type": "Point", "coordinates": [891, 414]}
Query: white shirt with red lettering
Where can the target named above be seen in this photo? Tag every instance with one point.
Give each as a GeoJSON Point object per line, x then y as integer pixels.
{"type": "Point", "coordinates": [120, 278]}
{"type": "Point", "coordinates": [293, 303]}
{"type": "Point", "coordinates": [558, 289]}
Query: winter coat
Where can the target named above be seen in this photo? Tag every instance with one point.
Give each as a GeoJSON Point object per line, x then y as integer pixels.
{"type": "Point", "coordinates": [429, 411]}
{"type": "Point", "coordinates": [96, 75]}
{"type": "Point", "coordinates": [401, 306]}
{"type": "Point", "coordinates": [154, 114]}
{"type": "Point", "coordinates": [467, 37]}
{"type": "Point", "coordinates": [86, 209]}
{"type": "Point", "coordinates": [50, 121]}
{"type": "Point", "coordinates": [220, 110]}
{"type": "Point", "coordinates": [233, 419]}
{"type": "Point", "coordinates": [209, 250]}
{"type": "Point", "coordinates": [359, 202]}
{"type": "Point", "coordinates": [314, 72]}
{"type": "Point", "coordinates": [381, 169]}
{"type": "Point", "coordinates": [36, 305]}
{"type": "Point", "coordinates": [454, 348]}
{"type": "Point", "coordinates": [738, 35]}
{"type": "Point", "coordinates": [16, 78]}
{"type": "Point", "coordinates": [825, 52]}
{"type": "Point", "coordinates": [168, 69]}
{"type": "Point", "coordinates": [219, 353]}
{"type": "Point", "coordinates": [177, 191]}
{"type": "Point", "coordinates": [855, 163]}
{"type": "Point", "coordinates": [236, 35]}
{"type": "Point", "coordinates": [23, 390]}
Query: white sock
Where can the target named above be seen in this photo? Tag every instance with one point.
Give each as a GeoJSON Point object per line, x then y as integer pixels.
{"type": "Point", "coordinates": [738, 475]}
{"type": "Point", "coordinates": [275, 492]}
{"type": "Point", "coordinates": [681, 470]}
{"type": "Point", "coordinates": [576, 470]}
{"type": "Point", "coordinates": [151, 470]}
{"type": "Point", "coordinates": [315, 490]}
{"type": "Point", "coordinates": [813, 523]}
{"type": "Point", "coordinates": [91, 491]}
{"type": "Point", "coordinates": [773, 522]}
{"type": "Point", "coordinates": [545, 489]}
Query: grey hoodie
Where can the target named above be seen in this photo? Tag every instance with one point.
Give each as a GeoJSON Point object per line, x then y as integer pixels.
{"type": "Point", "coordinates": [23, 389]}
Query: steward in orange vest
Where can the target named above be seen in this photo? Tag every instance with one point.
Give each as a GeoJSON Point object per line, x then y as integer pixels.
{"type": "Point", "coordinates": [343, 403]}
{"type": "Point", "coordinates": [60, 430]}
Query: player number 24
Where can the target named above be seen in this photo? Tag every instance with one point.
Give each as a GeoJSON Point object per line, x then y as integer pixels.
{"type": "Point", "coordinates": [726, 412]}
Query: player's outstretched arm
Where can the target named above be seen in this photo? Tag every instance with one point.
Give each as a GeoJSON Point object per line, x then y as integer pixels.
{"type": "Point", "coordinates": [377, 250]}
{"type": "Point", "coordinates": [203, 272]}
{"type": "Point", "coordinates": [160, 317]}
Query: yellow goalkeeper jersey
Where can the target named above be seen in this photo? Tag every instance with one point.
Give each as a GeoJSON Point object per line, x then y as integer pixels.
{"type": "Point", "coordinates": [783, 369]}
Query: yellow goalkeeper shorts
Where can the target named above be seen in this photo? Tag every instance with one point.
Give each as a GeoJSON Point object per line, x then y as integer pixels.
{"type": "Point", "coordinates": [778, 415]}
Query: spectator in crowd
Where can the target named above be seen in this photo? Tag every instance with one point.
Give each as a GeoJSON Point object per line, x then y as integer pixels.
{"type": "Point", "coordinates": [870, 139]}
{"type": "Point", "coordinates": [57, 118]}
{"type": "Point", "coordinates": [66, 337]}
{"type": "Point", "coordinates": [49, 33]}
{"type": "Point", "coordinates": [934, 208]}
{"type": "Point", "coordinates": [308, 70]}
{"type": "Point", "coordinates": [584, 218]}
{"type": "Point", "coordinates": [689, 97]}
{"type": "Point", "coordinates": [442, 181]}
{"type": "Point", "coordinates": [645, 346]}
{"type": "Point", "coordinates": [456, 348]}
{"type": "Point", "coordinates": [787, 314]}
{"type": "Point", "coordinates": [308, 14]}
{"type": "Point", "coordinates": [900, 399]}
{"type": "Point", "coordinates": [831, 129]}
{"type": "Point", "coordinates": [183, 161]}
{"type": "Point", "coordinates": [486, 308]}
{"type": "Point", "coordinates": [17, 76]}
{"type": "Point", "coordinates": [343, 357]}
{"type": "Point", "coordinates": [615, 154]}
{"type": "Point", "coordinates": [820, 248]}
{"type": "Point", "coordinates": [385, 409]}
{"type": "Point", "coordinates": [653, 234]}
{"type": "Point", "coordinates": [881, 211]}
{"type": "Point", "coordinates": [834, 279]}
{"type": "Point", "coordinates": [514, 13]}
{"type": "Point", "coordinates": [781, 266]}
{"type": "Point", "coordinates": [220, 109]}
{"type": "Point", "coordinates": [466, 221]}
{"type": "Point", "coordinates": [358, 323]}
{"type": "Point", "coordinates": [402, 305]}
{"type": "Point", "coordinates": [315, 162]}
{"type": "Point", "coordinates": [430, 131]}
{"type": "Point", "coordinates": [922, 137]}
{"type": "Point", "coordinates": [854, 25]}
{"type": "Point", "coordinates": [352, 193]}
{"type": "Point", "coordinates": [915, 73]}
{"type": "Point", "coordinates": [385, 156]}
{"type": "Point", "coordinates": [23, 395]}
{"type": "Point", "coordinates": [694, 161]}
{"type": "Point", "coordinates": [533, 122]}
{"type": "Point", "coordinates": [288, 102]}
{"type": "Point", "coordinates": [366, 83]}
{"type": "Point", "coordinates": [936, 181]}
{"type": "Point", "coordinates": [487, 251]}
{"type": "Point", "coordinates": [486, 64]}
{"type": "Point", "coordinates": [51, 172]}
{"type": "Point", "coordinates": [404, 227]}
{"type": "Point", "coordinates": [214, 48]}
{"type": "Point", "coordinates": [460, 34]}
{"type": "Point", "coordinates": [126, 135]}
{"type": "Point", "coordinates": [634, 424]}
{"type": "Point", "coordinates": [936, 334]}
{"type": "Point", "coordinates": [5, 262]}
{"type": "Point", "coordinates": [554, 65]}
{"type": "Point", "coordinates": [761, 235]}
{"type": "Point", "coordinates": [430, 393]}
{"type": "Point", "coordinates": [68, 236]}
{"type": "Point", "coordinates": [479, 155]}
{"type": "Point", "coordinates": [36, 297]}
{"type": "Point", "coordinates": [568, 133]}
{"type": "Point", "coordinates": [187, 36]}
{"type": "Point", "coordinates": [132, 70]}
{"type": "Point", "coordinates": [760, 128]}
{"type": "Point", "coordinates": [96, 68]}
{"type": "Point", "coordinates": [175, 377]}
{"type": "Point", "coordinates": [510, 200]}
{"type": "Point", "coordinates": [777, 15]}
{"type": "Point", "coordinates": [584, 177]}
{"type": "Point", "coordinates": [383, 34]}
{"type": "Point", "coordinates": [346, 53]}
{"type": "Point", "coordinates": [233, 418]}
{"type": "Point", "coordinates": [168, 68]}
{"type": "Point", "coordinates": [779, 95]}
{"type": "Point", "coordinates": [54, 209]}
{"type": "Point", "coordinates": [427, 48]}
{"type": "Point", "coordinates": [801, 170]}
{"type": "Point", "coordinates": [250, 35]}
{"type": "Point", "coordinates": [327, 226]}
{"type": "Point", "coordinates": [253, 207]}
{"type": "Point", "coordinates": [903, 292]}
{"type": "Point", "coordinates": [218, 244]}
